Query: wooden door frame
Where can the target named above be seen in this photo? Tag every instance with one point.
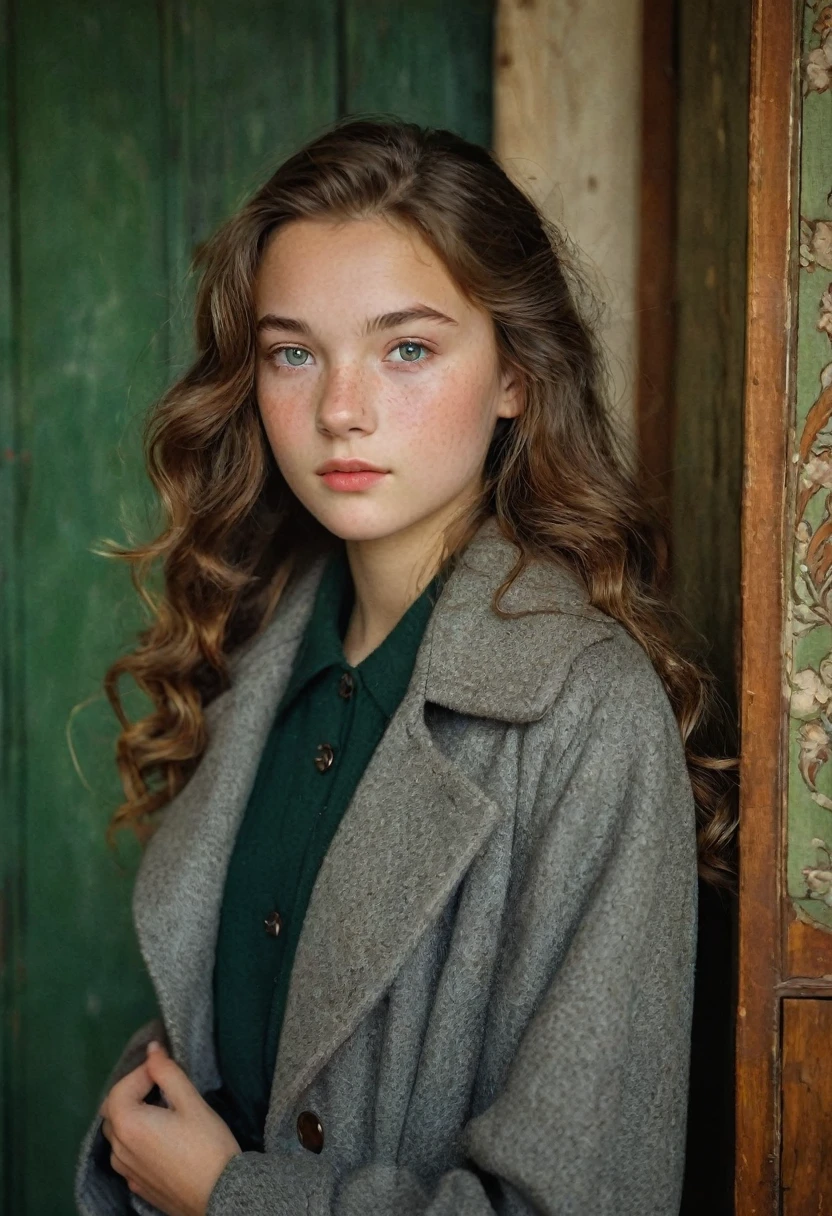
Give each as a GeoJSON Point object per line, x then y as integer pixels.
{"type": "Point", "coordinates": [769, 372]}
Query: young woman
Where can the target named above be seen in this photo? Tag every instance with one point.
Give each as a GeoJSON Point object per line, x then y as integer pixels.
{"type": "Point", "coordinates": [420, 905]}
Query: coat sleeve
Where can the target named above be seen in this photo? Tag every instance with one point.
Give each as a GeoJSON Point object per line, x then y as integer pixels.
{"type": "Point", "coordinates": [99, 1189]}
{"type": "Point", "coordinates": [594, 989]}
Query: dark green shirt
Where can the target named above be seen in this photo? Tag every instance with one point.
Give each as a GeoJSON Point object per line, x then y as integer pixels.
{"type": "Point", "coordinates": [326, 727]}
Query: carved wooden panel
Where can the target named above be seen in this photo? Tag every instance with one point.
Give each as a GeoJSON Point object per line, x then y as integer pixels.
{"type": "Point", "coordinates": [806, 1177]}
{"type": "Point", "coordinates": [809, 657]}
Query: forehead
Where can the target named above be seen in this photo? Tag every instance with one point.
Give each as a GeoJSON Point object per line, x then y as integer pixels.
{"type": "Point", "coordinates": [364, 259]}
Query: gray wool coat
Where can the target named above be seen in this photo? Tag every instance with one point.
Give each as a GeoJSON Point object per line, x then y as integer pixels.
{"type": "Point", "coordinates": [490, 1006]}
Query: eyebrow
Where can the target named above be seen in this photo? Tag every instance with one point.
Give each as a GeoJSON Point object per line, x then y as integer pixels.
{"type": "Point", "coordinates": [387, 320]}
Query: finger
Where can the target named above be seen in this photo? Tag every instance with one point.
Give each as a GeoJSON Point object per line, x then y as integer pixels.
{"type": "Point", "coordinates": [173, 1080]}
{"type": "Point", "coordinates": [131, 1089]}
{"type": "Point", "coordinates": [116, 1145]}
{"type": "Point", "coordinates": [119, 1164]}
{"type": "Point", "coordinates": [140, 1068]}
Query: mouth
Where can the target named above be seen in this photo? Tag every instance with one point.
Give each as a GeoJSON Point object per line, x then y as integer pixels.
{"type": "Point", "coordinates": [352, 479]}
{"type": "Point", "coordinates": [349, 473]}
{"type": "Point", "coordinates": [348, 464]}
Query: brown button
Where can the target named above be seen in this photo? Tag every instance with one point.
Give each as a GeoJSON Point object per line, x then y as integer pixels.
{"type": "Point", "coordinates": [326, 754]}
{"type": "Point", "coordinates": [273, 922]}
{"type": "Point", "coordinates": [310, 1132]}
{"type": "Point", "coordinates": [345, 685]}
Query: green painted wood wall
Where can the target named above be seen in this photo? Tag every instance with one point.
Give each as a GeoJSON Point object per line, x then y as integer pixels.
{"type": "Point", "coordinates": [128, 131]}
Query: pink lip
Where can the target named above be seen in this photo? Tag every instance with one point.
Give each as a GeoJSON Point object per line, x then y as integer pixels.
{"type": "Point", "coordinates": [347, 464]}
{"type": "Point", "coordinates": [361, 479]}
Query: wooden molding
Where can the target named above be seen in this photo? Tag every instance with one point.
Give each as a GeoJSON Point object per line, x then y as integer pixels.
{"type": "Point", "coordinates": [768, 366]}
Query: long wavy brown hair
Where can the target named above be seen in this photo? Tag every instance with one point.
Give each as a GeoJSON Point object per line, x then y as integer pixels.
{"type": "Point", "coordinates": [558, 477]}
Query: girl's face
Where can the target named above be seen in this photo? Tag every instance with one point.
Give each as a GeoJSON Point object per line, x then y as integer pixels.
{"type": "Point", "coordinates": [368, 352]}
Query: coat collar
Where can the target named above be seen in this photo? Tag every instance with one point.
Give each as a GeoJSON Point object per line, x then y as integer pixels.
{"type": "Point", "coordinates": [425, 817]}
{"type": "Point", "coordinates": [479, 663]}
{"type": "Point", "coordinates": [471, 660]}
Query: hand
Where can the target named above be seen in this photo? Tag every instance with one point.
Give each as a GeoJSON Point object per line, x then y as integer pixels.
{"type": "Point", "coordinates": [171, 1156]}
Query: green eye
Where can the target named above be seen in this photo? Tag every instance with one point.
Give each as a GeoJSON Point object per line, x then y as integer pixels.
{"type": "Point", "coordinates": [291, 352]}
{"type": "Point", "coordinates": [410, 351]}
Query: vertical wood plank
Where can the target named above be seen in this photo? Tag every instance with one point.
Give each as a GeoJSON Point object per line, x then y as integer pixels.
{"type": "Point", "coordinates": [655, 411]}
{"type": "Point", "coordinates": [140, 130]}
{"type": "Point", "coordinates": [430, 64]}
{"type": "Point", "coordinates": [242, 89]}
{"type": "Point", "coordinates": [807, 1108]}
{"type": "Point", "coordinates": [702, 474]}
{"type": "Point", "coordinates": [767, 412]}
{"type": "Point", "coordinates": [136, 137]}
{"type": "Point", "coordinates": [12, 473]}
{"type": "Point", "coordinates": [567, 130]}
{"type": "Point", "coordinates": [91, 302]}
{"type": "Point", "coordinates": [713, 41]}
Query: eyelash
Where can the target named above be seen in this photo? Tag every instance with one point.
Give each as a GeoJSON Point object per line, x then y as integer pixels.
{"type": "Point", "coordinates": [403, 342]}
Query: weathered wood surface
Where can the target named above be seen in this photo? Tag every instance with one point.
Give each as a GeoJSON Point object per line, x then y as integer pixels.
{"type": "Point", "coordinates": [690, 428]}
{"type": "Point", "coordinates": [655, 405]}
{"type": "Point", "coordinates": [432, 63]}
{"type": "Point", "coordinates": [767, 408]}
{"type": "Point", "coordinates": [807, 1108]}
{"type": "Point", "coordinates": [567, 128]}
{"type": "Point", "coordinates": [807, 963]}
{"type": "Point", "coordinates": [12, 480]}
{"type": "Point", "coordinates": [132, 131]}
{"type": "Point", "coordinates": [713, 42]}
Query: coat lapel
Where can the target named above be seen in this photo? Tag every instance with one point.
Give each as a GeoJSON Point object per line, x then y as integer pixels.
{"type": "Point", "coordinates": [416, 820]}
{"type": "Point", "coordinates": [414, 823]}
{"type": "Point", "coordinates": [411, 829]}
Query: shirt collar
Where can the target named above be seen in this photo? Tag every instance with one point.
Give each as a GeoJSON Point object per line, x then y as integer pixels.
{"type": "Point", "coordinates": [472, 660]}
{"type": "Point", "coordinates": [386, 671]}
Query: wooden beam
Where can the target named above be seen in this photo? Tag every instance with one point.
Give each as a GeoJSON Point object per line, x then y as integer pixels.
{"type": "Point", "coordinates": [767, 396]}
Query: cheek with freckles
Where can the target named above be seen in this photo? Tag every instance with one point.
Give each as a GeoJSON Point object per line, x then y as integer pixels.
{"type": "Point", "coordinates": [432, 432]}
{"type": "Point", "coordinates": [286, 419]}
{"type": "Point", "coordinates": [444, 437]}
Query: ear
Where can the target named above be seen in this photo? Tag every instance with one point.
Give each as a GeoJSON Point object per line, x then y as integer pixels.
{"type": "Point", "coordinates": [512, 397]}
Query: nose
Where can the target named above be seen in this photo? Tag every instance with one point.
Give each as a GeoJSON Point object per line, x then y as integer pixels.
{"type": "Point", "coordinates": [345, 403]}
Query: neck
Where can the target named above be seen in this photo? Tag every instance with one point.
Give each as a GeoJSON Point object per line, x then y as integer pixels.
{"type": "Point", "coordinates": [389, 573]}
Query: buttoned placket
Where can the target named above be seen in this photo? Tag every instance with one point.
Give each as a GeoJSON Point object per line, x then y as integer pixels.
{"type": "Point", "coordinates": [336, 733]}
{"type": "Point", "coordinates": [345, 684]}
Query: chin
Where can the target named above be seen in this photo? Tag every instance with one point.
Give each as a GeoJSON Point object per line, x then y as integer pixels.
{"type": "Point", "coordinates": [354, 522]}
{"type": "Point", "coordinates": [361, 530]}
{"type": "Point", "coordinates": [365, 517]}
